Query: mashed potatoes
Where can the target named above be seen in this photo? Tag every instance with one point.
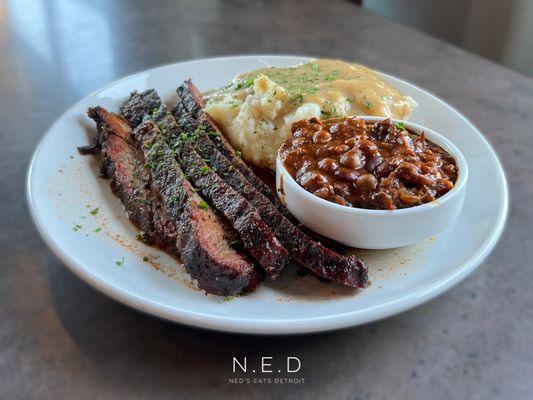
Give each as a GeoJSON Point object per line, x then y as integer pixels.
{"type": "Point", "coordinates": [256, 109]}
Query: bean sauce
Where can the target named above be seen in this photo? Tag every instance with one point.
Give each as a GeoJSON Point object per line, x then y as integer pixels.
{"type": "Point", "coordinates": [381, 166]}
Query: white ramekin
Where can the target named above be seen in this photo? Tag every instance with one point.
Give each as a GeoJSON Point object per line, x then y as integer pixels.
{"type": "Point", "coordinates": [376, 229]}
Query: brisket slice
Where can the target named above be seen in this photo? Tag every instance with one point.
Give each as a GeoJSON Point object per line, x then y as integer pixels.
{"type": "Point", "coordinates": [192, 104]}
{"type": "Point", "coordinates": [256, 236]}
{"type": "Point", "coordinates": [190, 115]}
{"type": "Point", "coordinates": [203, 239]}
{"type": "Point", "coordinates": [311, 254]}
{"type": "Point", "coordinates": [121, 166]}
{"type": "Point", "coordinates": [139, 105]}
{"type": "Point", "coordinates": [302, 248]}
{"type": "Point", "coordinates": [200, 236]}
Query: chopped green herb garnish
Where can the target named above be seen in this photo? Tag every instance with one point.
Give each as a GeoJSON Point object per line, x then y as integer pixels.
{"type": "Point", "coordinates": [249, 82]}
{"type": "Point", "coordinates": [235, 244]}
{"type": "Point", "coordinates": [369, 105]}
{"type": "Point", "coordinates": [204, 169]}
{"type": "Point", "coordinates": [332, 76]}
{"type": "Point", "coordinates": [245, 84]}
{"type": "Point", "coordinates": [119, 262]}
{"type": "Point", "coordinates": [151, 164]}
{"type": "Point", "coordinates": [203, 205]}
{"type": "Point", "coordinates": [350, 99]}
{"type": "Point", "coordinates": [326, 114]}
{"type": "Point", "coordinates": [400, 126]}
{"type": "Point", "coordinates": [139, 235]}
{"type": "Point", "coordinates": [99, 229]}
{"type": "Point", "coordinates": [227, 298]}
{"type": "Point", "coordinates": [238, 153]}
{"type": "Point", "coordinates": [213, 134]}
{"type": "Point", "coordinates": [230, 168]}
{"type": "Point", "coordinates": [333, 111]}
{"type": "Point", "coordinates": [95, 211]}
{"type": "Point", "coordinates": [145, 258]}
{"type": "Point", "coordinates": [172, 200]}
{"type": "Point", "coordinates": [314, 66]}
{"type": "Point", "coordinates": [76, 227]}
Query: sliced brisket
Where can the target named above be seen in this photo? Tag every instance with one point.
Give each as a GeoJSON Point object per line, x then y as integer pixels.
{"type": "Point", "coordinates": [192, 104]}
{"type": "Point", "coordinates": [121, 166]}
{"type": "Point", "coordinates": [302, 248]}
{"type": "Point", "coordinates": [139, 105]}
{"type": "Point", "coordinates": [190, 115]}
{"type": "Point", "coordinates": [158, 198]}
{"type": "Point", "coordinates": [256, 236]}
{"type": "Point", "coordinates": [347, 270]}
{"type": "Point", "coordinates": [203, 239]}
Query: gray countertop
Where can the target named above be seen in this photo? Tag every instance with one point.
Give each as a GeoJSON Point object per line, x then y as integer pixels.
{"type": "Point", "coordinates": [59, 338]}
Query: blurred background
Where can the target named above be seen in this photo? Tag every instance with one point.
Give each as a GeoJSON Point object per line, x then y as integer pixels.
{"type": "Point", "coordinates": [499, 30]}
{"type": "Point", "coordinates": [495, 29]}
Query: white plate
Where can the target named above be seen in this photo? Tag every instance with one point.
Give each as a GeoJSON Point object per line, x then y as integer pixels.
{"type": "Point", "coordinates": [63, 187]}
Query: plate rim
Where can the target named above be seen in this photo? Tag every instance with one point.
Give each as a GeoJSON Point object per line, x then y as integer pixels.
{"type": "Point", "coordinates": [270, 326]}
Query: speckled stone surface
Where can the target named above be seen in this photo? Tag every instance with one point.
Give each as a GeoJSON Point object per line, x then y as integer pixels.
{"type": "Point", "coordinates": [61, 339]}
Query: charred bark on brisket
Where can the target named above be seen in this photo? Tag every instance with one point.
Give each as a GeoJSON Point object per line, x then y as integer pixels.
{"type": "Point", "coordinates": [203, 239]}
{"type": "Point", "coordinates": [192, 104]}
{"type": "Point", "coordinates": [190, 115]}
{"type": "Point", "coordinates": [302, 248]}
{"type": "Point", "coordinates": [313, 255]}
{"type": "Point", "coordinates": [256, 236]}
{"type": "Point", "coordinates": [121, 165]}
{"type": "Point", "coordinates": [160, 201]}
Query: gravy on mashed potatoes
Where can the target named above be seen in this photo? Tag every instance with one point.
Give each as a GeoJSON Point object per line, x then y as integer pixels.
{"type": "Point", "coordinates": [257, 108]}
